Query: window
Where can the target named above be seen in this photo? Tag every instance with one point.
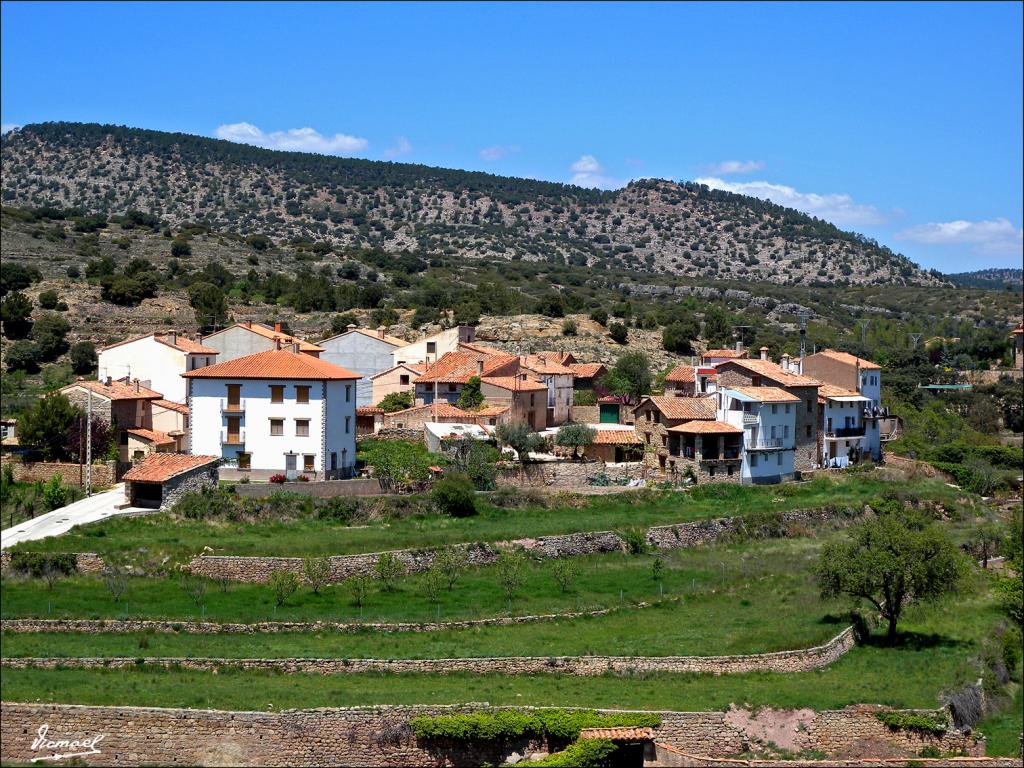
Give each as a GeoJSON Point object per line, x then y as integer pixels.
{"type": "Point", "coordinates": [307, 462]}
{"type": "Point", "coordinates": [778, 458]}
{"type": "Point", "coordinates": [711, 471]}
{"type": "Point", "coordinates": [728, 470]}
{"type": "Point", "coordinates": [753, 459]}
{"type": "Point", "coordinates": [138, 455]}
{"type": "Point", "coordinates": [348, 424]}
{"type": "Point", "coordinates": [787, 407]}
{"type": "Point", "coordinates": [431, 347]}
{"type": "Point", "coordinates": [234, 395]}
{"type": "Point", "coordinates": [404, 379]}
{"type": "Point", "coordinates": [348, 393]}
{"type": "Point", "coordinates": [785, 431]}
{"type": "Point", "coordinates": [648, 436]}
{"type": "Point", "coordinates": [755, 381]}
{"type": "Point", "coordinates": [648, 415]}
{"type": "Point", "coordinates": [334, 461]}
{"type": "Point", "coordinates": [664, 441]}
{"type": "Point", "coordinates": [452, 387]}
{"type": "Point", "coordinates": [244, 460]}
{"type": "Point", "coordinates": [808, 430]}
{"type": "Point", "coordinates": [531, 400]}
{"type": "Point", "coordinates": [773, 432]}
{"type": "Point", "coordinates": [277, 426]}
{"type": "Point", "coordinates": [657, 417]}
{"type": "Point", "coordinates": [301, 394]}
{"type": "Point", "coordinates": [302, 427]}
{"type": "Point", "coordinates": [810, 406]}
{"type": "Point", "coordinates": [277, 393]}
{"type": "Point", "coordinates": [775, 409]}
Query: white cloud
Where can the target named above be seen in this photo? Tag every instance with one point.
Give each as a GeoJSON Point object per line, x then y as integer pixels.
{"type": "Point", "coordinates": [728, 167]}
{"type": "Point", "coordinates": [990, 237]}
{"type": "Point", "coordinates": [498, 151]}
{"type": "Point", "coordinates": [8, 127]}
{"type": "Point", "coordinates": [293, 140]}
{"type": "Point", "coordinates": [588, 172]}
{"type": "Point", "coordinates": [402, 147]}
{"type": "Point", "coordinates": [835, 207]}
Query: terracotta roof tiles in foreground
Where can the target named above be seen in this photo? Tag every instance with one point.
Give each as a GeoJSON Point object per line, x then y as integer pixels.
{"type": "Point", "coordinates": [274, 364]}
{"type": "Point", "coordinates": [615, 437]}
{"type": "Point", "coordinates": [160, 467]}
{"type": "Point", "coordinates": [677, 408]}
{"type": "Point", "coordinates": [618, 734]}
{"type": "Point", "coordinates": [682, 374]}
{"type": "Point", "coordinates": [118, 389]}
{"type": "Point", "coordinates": [154, 436]}
{"type": "Point", "coordinates": [846, 357]}
{"type": "Point", "coordinates": [725, 354]}
{"type": "Point", "coordinates": [765, 394]}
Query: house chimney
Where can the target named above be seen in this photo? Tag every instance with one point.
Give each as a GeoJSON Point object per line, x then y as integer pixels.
{"type": "Point", "coordinates": [739, 346]}
{"type": "Point", "coordinates": [785, 361]}
{"type": "Point", "coordinates": [294, 347]}
{"type": "Point", "coordinates": [277, 342]}
{"type": "Point", "coordinates": [479, 367]}
{"type": "Point", "coordinates": [277, 326]}
{"type": "Point", "coordinates": [136, 385]}
{"type": "Point", "coordinates": [173, 336]}
{"type": "Point", "coordinates": [351, 327]}
{"type": "Point", "coordinates": [764, 353]}
{"type": "Point", "coordinates": [380, 331]}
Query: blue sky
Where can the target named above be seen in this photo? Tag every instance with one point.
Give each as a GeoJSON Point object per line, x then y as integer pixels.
{"type": "Point", "coordinates": [900, 121]}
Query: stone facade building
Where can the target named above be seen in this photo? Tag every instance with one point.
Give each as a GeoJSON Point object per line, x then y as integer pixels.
{"type": "Point", "coordinates": [655, 416]}
{"type": "Point", "coordinates": [161, 479]}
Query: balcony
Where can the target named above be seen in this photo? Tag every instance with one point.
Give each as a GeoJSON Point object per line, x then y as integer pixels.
{"type": "Point", "coordinates": [769, 444]}
{"type": "Point", "coordinates": [749, 419]}
{"type": "Point", "coordinates": [227, 407]}
{"type": "Point", "coordinates": [842, 433]}
{"type": "Point", "coordinates": [232, 438]}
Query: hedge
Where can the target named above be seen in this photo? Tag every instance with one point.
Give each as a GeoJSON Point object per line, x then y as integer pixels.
{"type": "Point", "coordinates": [564, 724]}
{"type": "Point", "coordinates": [586, 753]}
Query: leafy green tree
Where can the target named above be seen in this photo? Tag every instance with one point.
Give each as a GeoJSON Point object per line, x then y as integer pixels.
{"type": "Point", "coordinates": [258, 242]}
{"type": "Point", "coordinates": [181, 249]}
{"type": "Point", "coordinates": [575, 436]}
{"type": "Point", "coordinates": [340, 323]}
{"type": "Point", "coordinates": [359, 588]}
{"type": "Point", "coordinates": [520, 437]}
{"type": "Point", "coordinates": [599, 316]}
{"type": "Point", "coordinates": [16, 313]}
{"type": "Point", "coordinates": [454, 495]}
{"type": "Point", "coordinates": [16, 277]}
{"type": "Point", "coordinates": [283, 584]}
{"type": "Point", "coordinates": [317, 571]}
{"type": "Point", "coordinates": [210, 305]}
{"type": "Point", "coordinates": [46, 425]}
{"type": "Point", "coordinates": [1011, 588]}
{"type": "Point", "coordinates": [678, 337]}
{"type": "Point", "coordinates": [717, 326]}
{"type": "Point", "coordinates": [388, 568]}
{"type": "Point", "coordinates": [629, 378]}
{"type": "Point", "coordinates": [476, 459]}
{"type": "Point", "coordinates": [452, 562]}
{"type": "Point", "coordinates": [83, 357]}
{"type": "Point", "coordinates": [22, 356]}
{"type": "Point", "coordinates": [618, 332]}
{"type": "Point", "coordinates": [397, 463]}
{"type": "Point", "coordinates": [510, 572]}
{"type": "Point", "coordinates": [395, 401]}
{"type": "Point", "coordinates": [48, 299]}
{"type": "Point", "coordinates": [565, 571]}
{"type": "Point", "coordinates": [55, 493]}
{"type": "Point", "coordinates": [471, 397]}
{"type": "Point", "coordinates": [890, 560]}
{"type": "Point", "coordinates": [49, 332]}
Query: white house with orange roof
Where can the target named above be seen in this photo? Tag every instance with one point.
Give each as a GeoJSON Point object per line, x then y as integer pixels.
{"type": "Point", "coordinates": [863, 377]}
{"type": "Point", "coordinates": [279, 411]}
{"type": "Point", "coordinates": [248, 338]}
{"type": "Point", "coordinates": [768, 418]}
{"type": "Point", "coordinates": [558, 378]}
{"type": "Point", "coordinates": [156, 360]}
{"type": "Point", "coordinates": [366, 352]}
{"type": "Point", "coordinates": [431, 348]}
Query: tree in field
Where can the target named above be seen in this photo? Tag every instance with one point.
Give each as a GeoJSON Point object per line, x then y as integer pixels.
{"type": "Point", "coordinates": [890, 560]}
{"type": "Point", "coordinates": [618, 332]}
{"type": "Point", "coordinates": [510, 572]}
{"type": "Point", "coordinates": [471, 397]}
{"type": "Point", "coordinates": [474, 458]}
{"type": "Point", "coordinates": [16, 313]}
{"type": "Point", "coordinates": [520, 437]}
{"type": "Point", "coordinates": [210, 306]}
{"type": "Point", "coordinates": [395, 401]}
{"type": "Point", "coordinates": [630, 378]}
{"type": "Point", "coordinates": [398, 463]}
{"type": "Point", "coordinates": [22, 356]}
{"type": "Point", "coordinates": [575, 436]}
{"type": "Point", "coordinates": [388, 568]}
{"type": "Point", "coordinates": [102, 437]}
{"type": "Point", "coordinates": [49, 333]}
{"type": "Point", "coordinates": [317, 571]}
{"type": "Point", "coordinates": [452, 562]}
{"type": "Point", "coordinates": [283, 584]}
{"type": "Point", "coordinates": [454, 495]}
{"type": "Point", "coordinates": [678, 336]}
{"type": "Point", "coordinates": [46, 425]}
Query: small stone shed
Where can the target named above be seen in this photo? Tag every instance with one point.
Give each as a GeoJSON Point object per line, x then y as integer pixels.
{"type": "Point", "coordinates": [161, 479]}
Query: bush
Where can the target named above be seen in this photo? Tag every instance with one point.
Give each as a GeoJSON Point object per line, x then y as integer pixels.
{"type": "Point", "coordinates": [599, 316]}
{"type": "Point", "coordinates": [454, 495]}
{"type": "Point", "coordinates": [618, 333]}
{"type": "Point", "coordinates": [569, 327]}
{"type": "Point", "coordinates": [283, 584]}
{"type": "Point", "coordinates": [180, 249]}
{"type": "Point", "coordinates": [560, 724]}
{"type": "Point", "coordinates": [55, 493]}
{"type": "Point", "coordinates": [83, 357]}
{"type": "Point", "coordinates": [388, 568]}
{"type": "Point", "coordinates": [586, 753]}
{"type": "Point", "coordinates": [23, 356]}
{"type": "Point", "coordinates": [317, 571]}
{"type": "Point", "coordinates": [907, 721]}
{"type": "Point", "coordinates": [278, 478]}
{"type": "Point", "coordinates": [395, 401]}
{"type": "Point", "coordinates": [38, 563]}
{"type": "Point", "coordinates": [49, 299]}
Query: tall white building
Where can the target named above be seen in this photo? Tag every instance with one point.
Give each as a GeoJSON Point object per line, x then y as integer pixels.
{"type": "Point", "coordinates": [278, 411]}
{"type": "Point", "coordinates": [767, 416]}
{"type": "Point", "coordinates": [156, 360]}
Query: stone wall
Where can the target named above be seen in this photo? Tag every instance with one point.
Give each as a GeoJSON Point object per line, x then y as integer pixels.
{"type": "Point", "coordinates": [800, 660]}
{"type": "Point", "coordinates": [85, 562]}
{"type": "Point", "coordinates": [566, 474]}
{"type": "Point", "coordinates": [322, 489]}
{"type": "Point", "coordinates": [193, 481]}
{"type": "Point", "coordinates": [381, 736]}
{"type": "Point", "coordinates": [103, 473]}
{"type": "Point", "coordinates": [394, 433]}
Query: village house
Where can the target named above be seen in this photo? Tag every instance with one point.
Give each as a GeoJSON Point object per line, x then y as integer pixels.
{"type": "Point", "coordinates": [559, 381]}
{"type": "Point", "coordinates": [585, 376]}
{"type": "Point", "coordinates": [369, 420]}
{"type": "Point", "coordinates": [431, 348]}
{"type": "Point", "coordinates": [681, 381]}
{"type": "Point", "coordinates": [715, 356]}
{"type": "Point", "coordinates": [768, 418]}
{"type": "Point", "coordinates": [127, 407]}
{"type": "Point", "coordinates": [157, 360]}
{"type": "Point", "coordinates": [365, 352]}
{"type": "Point", "coordinates": [654, 417]}
{"type": "Point", "coordinates": [765, 373]}
{"type": "Point", "coordinates": [1017, 334]}
{"type": "Point", "coordinates": [445, 378]}
{"type": "Point", "coordinates": [858, 375]}
{"type": "Point", "coordinates": [710, 451]}
{"type": "Point", "coordinates": [614, 444]}
{"type": "Point", "coordinates": [841, 432]}
{"type": "Point", "coordinates": [172, 419]}
{"type": "Point", "coordinates": [396, 380]}
{"type": "Point", "coordinates": [244, 339]}
{"type": "Point", "coordinates": [159, 481]}
{"type": "Point", "coordinates": [278, 411]}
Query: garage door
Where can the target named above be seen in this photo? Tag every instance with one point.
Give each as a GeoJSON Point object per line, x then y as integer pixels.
{"type": "Point", "coordinates": [147, 494]}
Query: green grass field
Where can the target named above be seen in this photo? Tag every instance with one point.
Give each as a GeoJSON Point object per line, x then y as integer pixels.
{"type": "Point", "coordinates": [743, 598]}
{"type": "Point", "coordinates": [155, 537]}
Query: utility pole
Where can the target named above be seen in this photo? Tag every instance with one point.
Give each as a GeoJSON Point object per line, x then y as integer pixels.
{"type": "Point", "coordinates": [863, 323]}
{"type": "Point", "coordinates": [88, 442]}
{"type": "Point", "coordinates": [914, 338]}
{"type": "Point", "coordinates": [803, 339]}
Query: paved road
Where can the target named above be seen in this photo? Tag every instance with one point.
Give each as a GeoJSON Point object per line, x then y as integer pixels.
{"type": "Point", "coordinates": [62, 520]}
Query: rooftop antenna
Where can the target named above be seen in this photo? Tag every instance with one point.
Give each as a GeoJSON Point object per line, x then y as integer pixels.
{"type": "Point", "coordinates": [803, 337]}
{"type": "Point", "coordinates": [741, 332]}
{"type": "Point", "coordinates": [864, 323]}
{"type": "Point", "coordinates": [914, 338]}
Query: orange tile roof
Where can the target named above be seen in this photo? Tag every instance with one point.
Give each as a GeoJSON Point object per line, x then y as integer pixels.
{"type": "Point", "coordinates": [587, 370]}
{"type": "Point", "coordinates": [274, 364]}
{"type": "Point", "coordinates": [490, 410]}
{"type": "Point", "coordinates": [706, 427]}
{"type": "Point", "coordinates": [151, 435]}
{"type": "Point", "coordinates": [159, 467]}
{"type": "Point", "coordinates": [514, 383]}
{"type": "Point", "coordinates": [118, 389]}
{"type": "Point", "coordinates": [181, 343]}
{"type": "Point", "coordinates": [770, 370]}
{"type": "Point", "coordinates": [728, 354]}
{"type": "Point", "coordinates": [417, 368]}
{"type": "Point", "coordinates": [270, 333]}
{"type": "Point", "coordinates": [480, 348]}
{"type": "Point", "coordinates": [618, 734]}
{"type": "Point", "coordinates": [460, 367]}
{"type": "Point", "coordinates": [615, 437]}
{"type": "Point", "coordinates": [831, 390]}
{"type": "Point", "coordinates": [441, 409]}
{"type": "Point", "coordinates": [171, 406]}
{"type": "Point", "coordinates": [546, 364]}
{"type": "Point", "coordinates": [677, 408]}
{"type": "Point", "coordinates": [846, 357]}
{"type": "Point", "coordinates": [766, 394]}
{"type": "Point", "coordinates": [368, 410]}
{"type": "Point", "coordinates": [681, 374]}
{"type": "Point", "coordinates": [1018, 330]}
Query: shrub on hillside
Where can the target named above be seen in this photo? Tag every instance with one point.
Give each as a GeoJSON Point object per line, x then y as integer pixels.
{"type": "Point", "coordinates": [454, 495]}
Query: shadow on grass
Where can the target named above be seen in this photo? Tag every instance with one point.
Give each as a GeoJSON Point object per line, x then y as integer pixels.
{"type": "Point", "coordinates": [913, 641]}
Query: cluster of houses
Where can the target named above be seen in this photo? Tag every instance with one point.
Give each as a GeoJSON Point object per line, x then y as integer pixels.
{"type": "Point", "coordinates": [262, 402]}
